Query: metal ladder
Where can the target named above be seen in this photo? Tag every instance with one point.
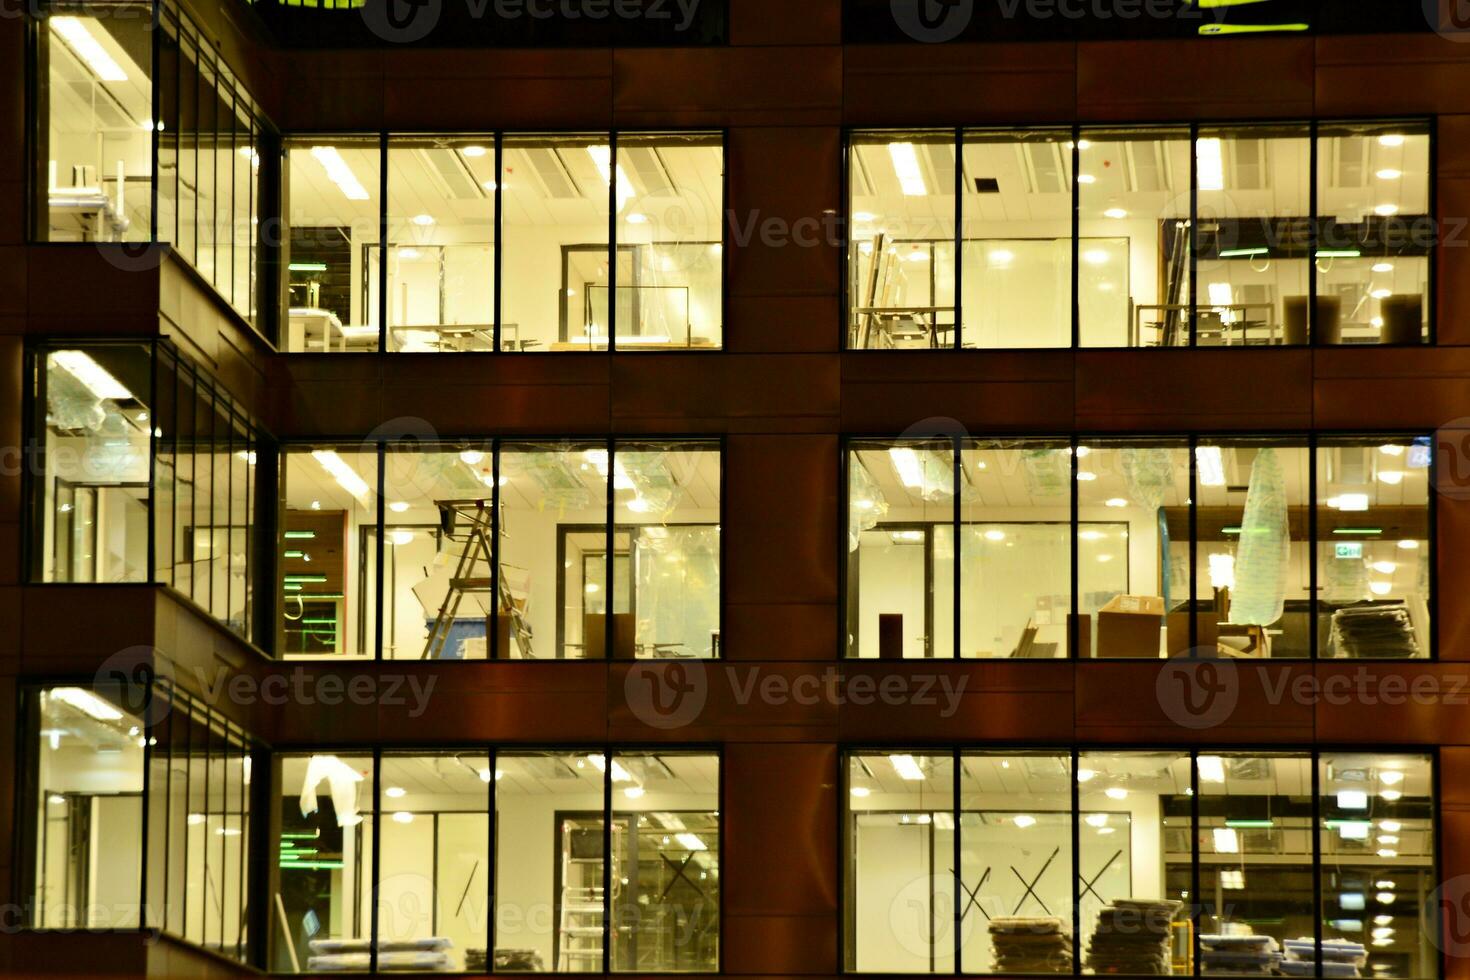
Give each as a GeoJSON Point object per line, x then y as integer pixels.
{"type": "Point", "coordinates": [474, 574]}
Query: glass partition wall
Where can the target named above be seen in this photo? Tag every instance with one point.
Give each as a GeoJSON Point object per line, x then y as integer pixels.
{"type": "Point", "coordinates": [1262, 235]}
{"type": "Point", "coordinates": [1140, 863]}
{"type": "Point", "coordinates": [501, 549]}
{"type": "Point", "coordinates": [1147, 548]}
{"type": "Point", "coordinates": [144, 135]}
{"type": "Point", "coordinates": [145, 471]}
{"type": "Point", "coordinates": [108, 764]}
{"type": "Point", "coordinates": [505, 861]}
{"type": "Point", "coordinates": [515, 242]}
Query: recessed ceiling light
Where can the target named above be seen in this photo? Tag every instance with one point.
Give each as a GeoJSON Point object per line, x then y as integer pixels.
{"type": "Point", "coordinates": [1086, 179]}
{"type": "Point", "coordinates": [1390, 777]}
{"type": "Point", "coordinates": [1389, 173]}
{"type": "Point", "coordinates": [1386, 210]}
{"type": "Point", "coordinates": [637, 219]}
{"type": "Point", "coordinates": [1408, 544]}
{"type": "Point", "coordinates": [1024, 820]}
{"type": "Point", "coordinates": [1117, 502]}
{"type": "Point", "coordinates": [1116, 793]}
{"type": "Point", "coordinates": [861, 792]}
{"type": "Point", "coordinates": [395, 792]}
{"type": "Point", "coordinates": [1095, 256]}
{"type": "Point", "coordinates": [1381, 293]}
{"type": "Point", "coordinates": [864, 216]}
{"type": "Point", "coordinates": [423, 220]}
{"type": "Point", "coordinates": [398, 506]}
{"type": "Point", "coordinates": [1391, 139]}
{"type": "Point", "coordinates": [1383, 267]}
{"type": "Point", "coordinates": [1115, 213]}
{"type": "Point", "coordinates": [1392, 477]}
{"type": "Point", "coordinates": [472, 151]}
{"type": "Point", "coordinates": [403, 816]}
{"type": "Point", "coordinates": [1085, 476]}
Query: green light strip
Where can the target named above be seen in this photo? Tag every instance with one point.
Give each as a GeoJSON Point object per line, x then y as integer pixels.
{"type": "Point", "coordinates": [300, 535]}
{"type": "Point", "coordinates": [307, 267]}
{"type": "Point", "coordinates": [1241, 253]}
{"type": "Point", "coordinates": [1364, 531]}
{"type": "Point", "coordinates": [1211, 30]}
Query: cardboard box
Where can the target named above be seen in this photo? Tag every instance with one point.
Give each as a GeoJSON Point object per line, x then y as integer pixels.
{"type": "Point", "coordinates": [1129, 626]}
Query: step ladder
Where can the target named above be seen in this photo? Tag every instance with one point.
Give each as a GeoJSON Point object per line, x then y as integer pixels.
{"type": "Point", "coordinates": [474, 574]}
{"type": "Point", "coordinates": [580, 923]}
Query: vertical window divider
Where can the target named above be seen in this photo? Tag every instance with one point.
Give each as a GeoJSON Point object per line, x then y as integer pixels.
{"type": "Point", "coordinates": [155, 352]}
{"type": "Point", "coordinates": [212, 454]}
{"type": "Point", "coordinates": [609, 581]}
{"type": "Point", "coordinates": [1312, 247]}
{"type": "Point", "coordinates": [155, 101]}
{"type": "Point", "coordinates": [377, 851]}
{"type": "Point", "coordinates": [1076, 238]}
{"type": "Point", "coordinates": [492, 647]}
{"type": "Point", "coordinates": [1074, 626]}
{"type": "Point", "coordinates": [380, 550]}
{"type": "Point", "coordinates": [1076, 843]}
{"type": "Point", "coordinates": [147, 800]}
{"type": "Point", "coordinates": [1193, 239]}
{"type": "Point", "coordinates": [382, 276]}
{"type": "Point", "coordinates": [1431, 506]}
{"type": "Point", "coordinates": [1196, 904]}
{"type": "Point", "coordinates": [612, 291]}
{"type": "Point", "coordinates": [1313, 610]}
{"type": "Point", "coordinates": [1316, 818]}
{"type": "Point", "coordinates": [607, 844]}
{"type": "Point", "coordinates": [1193, 598]}
{"type": "Point", "coordinates": [956, 650]}
{"type": "Point", "coordinates": [492, 801]}
{"type": "Point", "coordinates": [959, 281]}
{"type": "Point", "coordinates": [498, 261]}
{"type": "Point", "coordinates": [958, 878]}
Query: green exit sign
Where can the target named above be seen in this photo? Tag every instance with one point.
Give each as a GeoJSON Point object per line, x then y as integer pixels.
{"type": "Point", "coordinates": [1350, 549]}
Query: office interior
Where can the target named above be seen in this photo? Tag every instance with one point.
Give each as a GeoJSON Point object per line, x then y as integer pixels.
{"type": "Point", "coordinates": [1229, 863]}
{"type": "Point", "coordinates": [1247, 565]}
{"type": "Point", "coordinates": [601, 549]}
{"type": "Point", "coordinates": [1224, 247]}
{"type": "Point", "coordinates": [550, 840]}
{"type": "Point", "coordinates": [545, 214]}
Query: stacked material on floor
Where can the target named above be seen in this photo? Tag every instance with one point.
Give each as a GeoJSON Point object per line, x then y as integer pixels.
{"type": "Point", "coordinates": [1382, 632]}
{"type": "Point", "coordinates": [1244, 955]}
{"type": "Point", "coordinates": [355, 955]}
{"type": "Point", "coordinates": [1340, 958]}
{"type": "Point", "coordinates": [1132, 937]}
{"type": "Point", "coordinates": [1025, 944]}
{"type": "Point", "coordinates": [513, 961]}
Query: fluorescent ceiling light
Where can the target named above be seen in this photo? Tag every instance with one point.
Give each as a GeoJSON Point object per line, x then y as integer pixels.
{"type": "Point", "coordinates": [1408, 545]}
{"type": "Point", "coordinates": [1387, 568]}
{"type": "Point", "coordinates": [1390, 777]}
{"type": "Point", "coordinates": [196, 819]}
{"type": "Point", "coordinates": [1339, 253]}
{"type": "Point", "coordinates": [1211, 769]}
{"type": "Point", "coordinates": [1386, 210]}
{"type": "Point", "coordinates": [907, 767]}
{"type": "Point", "coordinates": [995, 535]}
{"type": "Point", "coordinates": [1383, 267]}
{"type": "Point", "coordinates": [86, 702]}
{"type": "Point", "coordinates": [1391, 139]}
{"type": "Point", "coordinates": [339, 172]}
{"type": "Point", "coordinates": [910, 469]}
{"type": "Point", "coordinates": [1116, 502]}
{"type": "Point", "coordinates": [1095, 256]}
{"type": "Point", "coordinates": [1085, 775]}
{"type": "Point", "coordinates": [1353, 829]}
{"type": "Point", "coordinates": [1388, 173]}
{"type": "Point", "coordinates": [602, 159]}
{"type": "Point", "coordinates": [1388, 838]}
{"type": "Point", "coordinates": [342, 473]}
{"type": "Point", "coordinates": [1097, 819]}
{"type": "Point", "coordinates": [1024, 820]}
{"type": "Point", "coordinates": [691, 842]}
{"type": "Point", "coordinates": [1387, 852]}
{"type": "Point", "coordinates": [398, 506]}
{"type": "Point", "coordinates": [1392, 477]}
{"type": "Point", "coordinates": [1104, 558]}
{"type": "Point", "coordinates": [1390, 826]}
{"type": "Point", "coordinates": [1116, 793]}
{"type": "Point", "coordinates": [910, 174]}
{"type": "Point", "coordinates": [422, 220]}
{"type": "Point", "coordinates": [1352, 799]}
{"type": "Point", "coordinates": [633, 792]}
{"type": "Point", "coordinates": [1232, 879]}
{"type": "Point", "coordinates": [1385, 898]}
{"type": "Point", "coordinates": [97, 379]}
{"type": "Point", "coordinates": [1086, 179]}
{"type": "Point", "coordinates": [1086, 476]}
{"type": "Point", "coordinates": [395, 792]}
{"type": "Point", "coordinates": [637, 219]}
{"type": "Point", "coordinates": [88, 48]}
{"type": "Point", "coordinates": [403, 816]}
{"type": "Point", "coordinates": [472, 151]}
{"type": "Point", "coordinates": [1211, 163]}
{"type": "Point", "coordinates": [1391, 450]}
{"type": "Point", "coordinates": [861, 792]}
{"type": "Point", "coordinates": [1115, 213]}
{"type": "Point", "coordinates": [1211, 463]}
{"type": "Point", "coordinates": [1349, 502]}
{"type": "Point", "coordinates": [1227, 841]}
{"type": "Point", "coordinates": [400, 536]}
{"type": "Point", "coordinates": [1221, 294]}
{"type": "Point", "coordinates": [619, 774]}
{"type": "Point", "coordinates": [1243, 253]}
{"type": "Point", "coordinates": [471, 457]}
{"type": "Point", "coordinates": [1391, 795]}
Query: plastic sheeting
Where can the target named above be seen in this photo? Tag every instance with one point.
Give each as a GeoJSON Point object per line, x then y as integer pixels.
{"type": "Point", "coordinates": [1263, 556]}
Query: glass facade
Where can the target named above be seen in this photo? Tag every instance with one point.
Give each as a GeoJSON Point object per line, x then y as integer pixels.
{"type": "Point", "coordinates": [543, 847]}
{"type": "Point", "coordinates": [609, 240]}
{"type": "Point", "coordinates": [124, 156]}
{"type": "Point", "coordinates": [138, 456]}
{"type": "Point", "coordinates": [1186, 862]}
{"type": "Point", "coordinates": [598, 546]}
{"type": "Point", "coordinates": [101, 770]}
{"type": "Point", "coordinates": [1140, 548]}
{"type": "Point", "coordinates": [1266, 235]}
